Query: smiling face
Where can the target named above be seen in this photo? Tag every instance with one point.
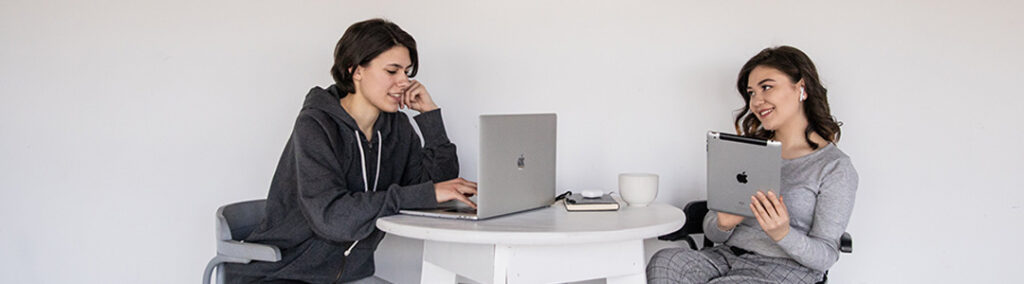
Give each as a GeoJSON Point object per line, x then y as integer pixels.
{"type": "Point", "coordinates": [384, 79]}
{"type": "Point", "coordinates": [774, 98]}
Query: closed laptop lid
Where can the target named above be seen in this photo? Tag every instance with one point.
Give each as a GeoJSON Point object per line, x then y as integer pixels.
{"type": "Point", "coordinates": [517, 163]}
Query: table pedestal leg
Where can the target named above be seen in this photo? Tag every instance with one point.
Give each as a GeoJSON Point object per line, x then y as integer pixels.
{"type": "Point", "coordinates": [619, 262]}
{"type": "Point", "coordinates": [435, 274]}
{"type": "Point", "coordinates": [474, 261]}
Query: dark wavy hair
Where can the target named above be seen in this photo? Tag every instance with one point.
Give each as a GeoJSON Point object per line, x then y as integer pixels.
{"type": "Point", "coordinates": [796, 65]}
{"type": "Point", "coordinates": [364, 41]}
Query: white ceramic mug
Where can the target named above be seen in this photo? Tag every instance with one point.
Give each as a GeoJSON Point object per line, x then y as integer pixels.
{"type": "Point", "coordinates": [638, 189]}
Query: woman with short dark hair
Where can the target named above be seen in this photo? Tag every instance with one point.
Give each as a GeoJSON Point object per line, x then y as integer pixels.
{"type": "Point", "coordinates": [795, 235]}
{"type": "Point", "coordinates": [352, 158]}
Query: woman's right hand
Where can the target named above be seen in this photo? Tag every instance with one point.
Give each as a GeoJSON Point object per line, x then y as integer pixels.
{"type": "Point", "coordinates": [728, 221]}
{"type": "Point", "coordinates": [459, 189]}
{"type": "Point", "coordinates": [417, 98]}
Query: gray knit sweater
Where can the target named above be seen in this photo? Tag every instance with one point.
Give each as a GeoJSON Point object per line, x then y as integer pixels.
{"type": "Point", "coordinates": [819, 190]}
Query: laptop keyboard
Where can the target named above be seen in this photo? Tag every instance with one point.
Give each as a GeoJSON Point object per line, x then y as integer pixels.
{"type": "Point", "coordinates": [461, 210]}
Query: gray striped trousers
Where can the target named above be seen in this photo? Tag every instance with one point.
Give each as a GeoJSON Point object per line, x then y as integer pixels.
{"type": "Point", "coordinates": [721, 265]}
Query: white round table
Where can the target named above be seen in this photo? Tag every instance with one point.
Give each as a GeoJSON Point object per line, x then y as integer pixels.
{"type": "Point", "coordinates": [540, 246]}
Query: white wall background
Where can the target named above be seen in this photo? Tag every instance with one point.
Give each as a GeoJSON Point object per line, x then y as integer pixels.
{"type": "Point", "coordinates": [125, 124]}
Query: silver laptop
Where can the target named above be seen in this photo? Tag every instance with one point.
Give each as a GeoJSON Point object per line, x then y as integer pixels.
{"type": "Point", "coordinates": [737, 168]}
{"type": "Point", "coordinates": [516, 171]}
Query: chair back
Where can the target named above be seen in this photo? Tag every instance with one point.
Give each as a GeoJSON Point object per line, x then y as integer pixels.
{"type": "Point", "coordinates": [236, 221]}
{"type": "Point", "coordinates": [695, 212]}
{"type": "Point", "coordinates": [694, 224]}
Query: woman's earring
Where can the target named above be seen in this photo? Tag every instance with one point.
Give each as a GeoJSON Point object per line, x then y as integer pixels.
{"type": "Point", "coordinates": [803, 96]}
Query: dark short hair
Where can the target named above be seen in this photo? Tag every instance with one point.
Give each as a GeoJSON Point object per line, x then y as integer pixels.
{"type": "Point", "coordinates": [364, 41]}
{"type": "Point", "coordinates": [796, 65]}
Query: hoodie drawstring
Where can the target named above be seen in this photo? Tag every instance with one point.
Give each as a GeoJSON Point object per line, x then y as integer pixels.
{"type": "Point", "coordinates": [366, 184]}
{"type": "Point", "coordinates": [362, 158]}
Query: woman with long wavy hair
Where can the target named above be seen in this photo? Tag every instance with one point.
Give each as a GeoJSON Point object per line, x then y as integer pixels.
{"type": "Point", "coordinates": [795, 235]}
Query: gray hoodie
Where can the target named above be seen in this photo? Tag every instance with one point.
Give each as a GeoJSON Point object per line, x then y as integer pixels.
{"type": "Point", "coordinates": [320, 203]}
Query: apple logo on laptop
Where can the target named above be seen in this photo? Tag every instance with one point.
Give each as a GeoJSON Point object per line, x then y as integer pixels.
{"type": "Point", "coordinates": [521, 162]}
{"type": "Point", "coordinates": [742, 177]}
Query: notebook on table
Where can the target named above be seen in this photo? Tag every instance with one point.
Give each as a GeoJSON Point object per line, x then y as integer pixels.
{"type": "Point", "coordinates": [577, 202]}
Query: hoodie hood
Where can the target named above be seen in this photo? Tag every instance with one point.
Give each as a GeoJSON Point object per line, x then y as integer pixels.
{"type": "Point", "coordinates": [328, 101]}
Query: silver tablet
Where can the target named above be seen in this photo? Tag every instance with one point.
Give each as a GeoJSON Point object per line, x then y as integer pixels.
{"type": "Point", "coordinates": [737, 168]}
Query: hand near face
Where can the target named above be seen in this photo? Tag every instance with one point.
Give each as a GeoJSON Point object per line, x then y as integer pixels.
{"type": "Point", "coordinates": [457, 189]}
{"type": "Point", "coordinates": [417, 98]}
{"type": "Point", "coordinates": [771, 213]}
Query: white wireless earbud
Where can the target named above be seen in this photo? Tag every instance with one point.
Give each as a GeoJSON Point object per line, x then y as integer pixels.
{"type": "Point", "coordinates": [802, 95]}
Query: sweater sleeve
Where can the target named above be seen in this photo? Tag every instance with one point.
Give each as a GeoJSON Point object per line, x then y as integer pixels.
{"type": "Point", "coordinates": [334, 212]}
{"type": "Point", "coordinates": [819, 248]}
{"type": "Point", "coordinates": [436, 160]}
{"type": "Point", "coordinates": [711, 230]}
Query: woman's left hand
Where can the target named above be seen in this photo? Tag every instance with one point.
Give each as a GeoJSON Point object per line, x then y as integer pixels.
{"type": "Point", "coordinates": [771, 213]}
{"type": "Point", "coordinates": [417, 98]}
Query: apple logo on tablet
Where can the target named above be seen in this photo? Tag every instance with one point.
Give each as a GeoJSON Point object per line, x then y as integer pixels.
{"type": "Point", "coordinates": [742, 177]}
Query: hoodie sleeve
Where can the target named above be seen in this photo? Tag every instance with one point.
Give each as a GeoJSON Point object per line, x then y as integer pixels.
{"type": "Point", "coordinates": [436, 160]}
{"type": "Point", "coordinates": [334, 212]}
